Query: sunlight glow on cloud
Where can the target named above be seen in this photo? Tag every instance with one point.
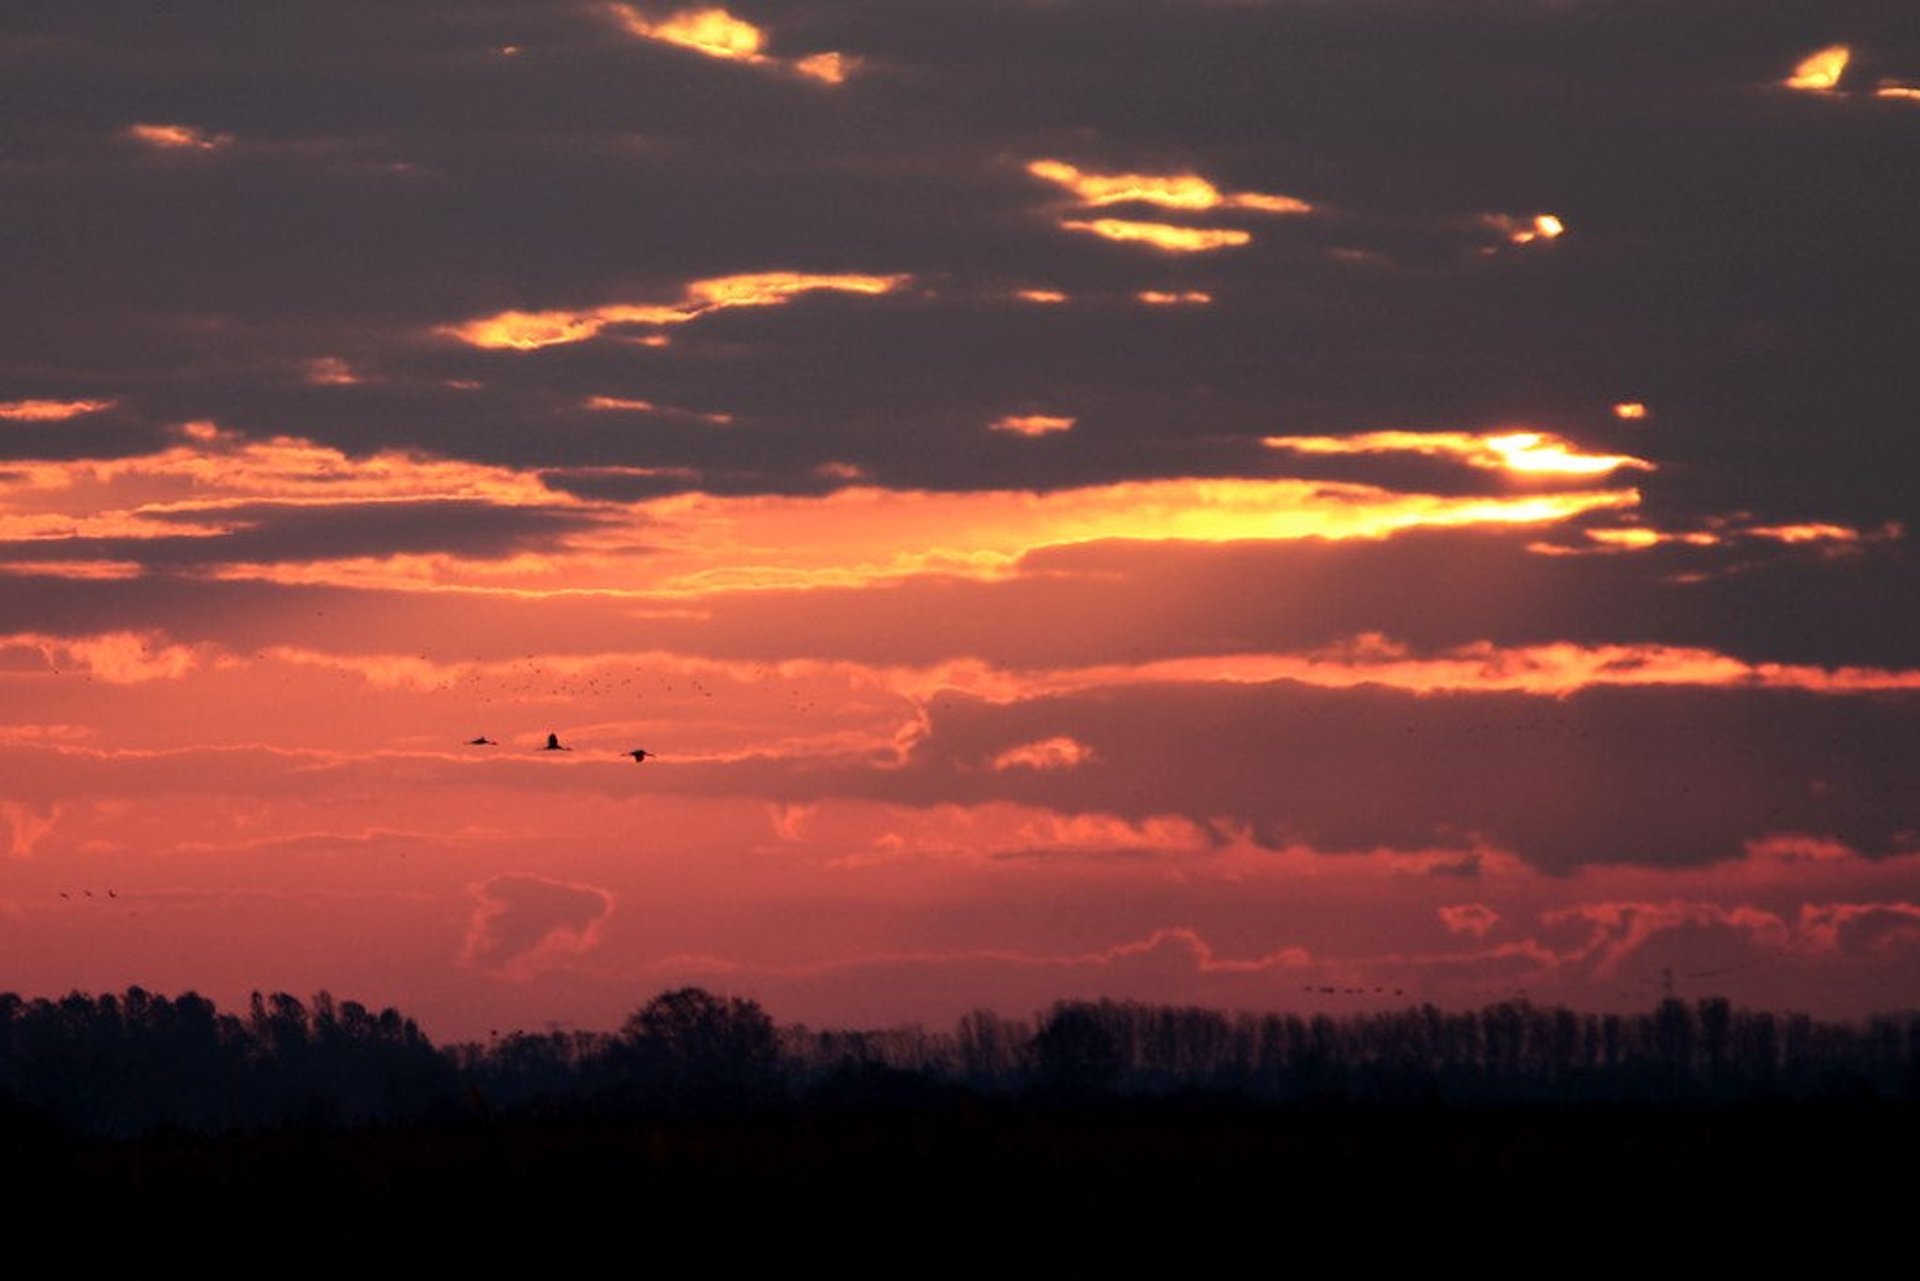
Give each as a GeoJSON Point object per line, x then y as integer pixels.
{"type": "Point", "coordinates": [330, 371]}
{"type": "Point", "coordinates": [525, 924]}
{"type": "Point", "coordinates": [1809, 532]}
{"type": "Point", "coordinates": [1045, 754]}
{"type": "Point", "coordinates": [1041, 296]}
{"type": "Point", "coordinates": [703, 542]}
{"type": "Point", "coordinates": [1529, 452]}
{"type": "Point", "coordinates": [1544, 227]}
{"type": "Point", "coordinates": [1031, 424]}
{"type": "Point", "coordinates": [118, 658]}
{"type": "Point", "coordinates": [49, 411]}
{"type": "Point", "coordinates": [1893, 89]}
{"type": "Point", "coordinates": [178, 137]}
{"type": "Point", "coordinates": [1821, 70]}
{"type": "Point", "coordinates": [1187, 191]}
{"type": "Point", "coordinates": [526, 331]}
{"type": "Point", "coordinates": [832, 68]}
{"type": "Point", "coordinates": [1162, 235]}
{"type": "Point", "coordinates": [1630, 411]}
{"type": "Point", "coordinates": [1473, 919]}
{"type": "Point", "coordinates": [1185, 298]}
{"type": "Point", "coordinates": [714, 32]}
{"type": "Point", "coordinates": [89, 570]}
{"type": "Point", "coordinates": [718, 34]}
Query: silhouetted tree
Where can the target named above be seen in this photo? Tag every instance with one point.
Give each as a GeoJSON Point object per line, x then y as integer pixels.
{"type": "Point", "coordinates": [690, 1046]}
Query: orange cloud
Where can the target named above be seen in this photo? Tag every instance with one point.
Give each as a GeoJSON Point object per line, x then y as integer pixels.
{"type": "Point", "coordinates": [703, 542]}
{"type": "Point", "coordinates": [619, 403]}
{"type": "Point", "coordinates": [1895, 90]}
{"type": "Point", "coordinates": [1045, 754]}
{"type": "Point", "coordinates": [1041, 295]}
{"type": "Point", "coordinates": [330, 371]}
{"type": "Point", "coordinates": [1161, 235]}
{"type": "Point", "coordinates": [525, 924]}
{"type": "Point", "coordinates": [1820, 71]}
{"type": "Point", "coordinates": [1529, 452]}
{"type": "Point", "coordinates": [1468, 918]}
{"type": "Point", "coordinates": [50, 411]}
{"type": "Point", "coordinates": [528, 330]}
{"type": "Point", "coordinates": [1186, 298]}
{"type": "Point", "coordinates": [832, 68]}
{"type": "Point", "coordinates": [1188, 192]}
{"type": "Point", "coordinates": [1809, 532]}
{"type": "Point", "coordinates": [177, 137]}
{"type": "Point", "coordinates": [715, 33]}
{"type": "Point", "coordinates": [83, 569]}
{"type": "Point", "coordinates": [1630, 411]}
{"type": "Point", "coordinates": [118, 658]}
{"type": "Point", "coordinates": [1031, 424]}
{"type": "Point", "coordinates": [1526, 231]}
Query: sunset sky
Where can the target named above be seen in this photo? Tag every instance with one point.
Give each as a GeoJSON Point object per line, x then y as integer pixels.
{"type": "Point", "coordinates": [1284, 505]}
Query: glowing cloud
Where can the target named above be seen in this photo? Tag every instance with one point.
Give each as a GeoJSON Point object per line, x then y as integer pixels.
{"type": "Point", "coordinates": [701, 543]}
{"type": "Point", "coordinates": [1473, 919]}
{"type": "Point", "coordinates": [1526, 231]}
{"type": "Point", "coordinates": [1187, 191]}
{"type": "Point", "coordinates": [832, 68]}
{"type": "Point", "coordinates": [524, 924]}
{"type": "Point", "coordinates": [619, 403]}
{"type": "Point", "coordinates": [176, 137]}
{"type": "Point", "coordinates": [1045, 754]}
{"type": "Point", "coordinates": [1894, 90]}
{"type": "Point", "coordinates": [1630, 411]}
{"type": "Point", "coordinates": [1161, 235]}
{"type": "Point", "coordinates": [1529, 452]}
{"type": "Point", "coordinates": [118, 658]}
{"type": "Point", "coordinates": [50, 411]}
{"type": "Point", "coordinates": [1186, 298]}
{"type": "Point", "coordinates": [715, 33]}
{"type": "Point", "coordinates": [1031, 424]}
{"type": "Point", "coordinates": [1810, 532]}
{"type": "Point", "coordinates": [330, 371]}
{"type": "Point", "coordinates": [1820, 71]}
{"type": "Point", "coordinates": [529, 330]}
{"type": "Point", "coordinates": [1041, 296]}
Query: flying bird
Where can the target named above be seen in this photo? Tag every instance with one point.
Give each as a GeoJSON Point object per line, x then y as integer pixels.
{"type": "Point", "coordinates": [640, 754]}
{"type": "Point", "coordinates": [553, 744]}
{"type": "Point", "coordinates": [482, 741]}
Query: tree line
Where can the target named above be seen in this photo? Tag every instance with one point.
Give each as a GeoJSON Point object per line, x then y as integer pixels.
{"type": "Point", "coordinates": [135, 1062]}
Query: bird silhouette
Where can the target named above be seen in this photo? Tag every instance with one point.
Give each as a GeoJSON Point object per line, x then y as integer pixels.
{"type": "Point", "coordinates": [482, 741]}
{"type": "Point", "coordinates": [553, 744]}
{"type": "Point", "coordinates": [640, 754]}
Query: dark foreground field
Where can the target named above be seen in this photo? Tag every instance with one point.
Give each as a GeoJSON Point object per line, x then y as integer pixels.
{"type": "Point", "coordinates": [1063, 1189]}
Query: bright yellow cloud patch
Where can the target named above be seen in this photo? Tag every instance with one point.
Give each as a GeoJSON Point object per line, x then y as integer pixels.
{"type": "Point", "coordinates": [715, 33]}
{"type": "Point", "coordinates": [1185, 191]}
{"type": "Point", "coordinates": [1031, 424]}
{"type": "Point", "coordinates": [1532, 452]}
{"type": "Point", "coordinates": [530, 330]}
{"type": "Point", "coordinates": [177, 137]}
{"type": "Point", "coordinates": [49, 411]}
{"type": "Point", "coordinates": [1046, 754]}
{"type": "Point", "coordinates": [1820, 71]}
{"type": "Point", "coordinates": [1161, 235]}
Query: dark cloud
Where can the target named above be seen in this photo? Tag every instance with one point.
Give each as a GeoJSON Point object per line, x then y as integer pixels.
{"type": "Point", "coordinates": [1728, 259]}
{"type": "Point", "coordinates": [1661, 776]}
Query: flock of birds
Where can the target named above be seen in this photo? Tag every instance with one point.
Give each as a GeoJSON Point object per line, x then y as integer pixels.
{"type": "Point", "coordinates": [554, 744]}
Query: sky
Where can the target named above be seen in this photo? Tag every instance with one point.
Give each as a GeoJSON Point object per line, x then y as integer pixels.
{"type": "Point", "coordinates": [1304, 504]}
